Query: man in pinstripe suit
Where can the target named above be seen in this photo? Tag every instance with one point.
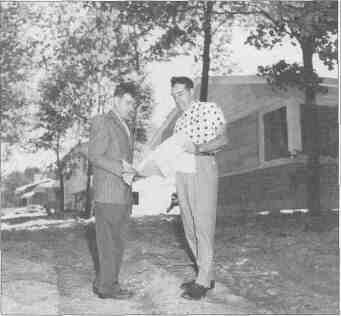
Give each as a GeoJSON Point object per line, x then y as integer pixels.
{"type": "Point", "coordinates": [110, 144]}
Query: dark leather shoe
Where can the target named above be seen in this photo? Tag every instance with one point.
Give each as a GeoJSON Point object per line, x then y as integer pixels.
{"type": "Point", "coordinates": [95, 289]}
{"type": "Point", "coordinates": [195, 292]}
{"type": "Point", "coordinates": [118, 294]}
{"type": "Point", "coordinates": [101, 294]}
{"type": "Point", "coordinates": [188, 284]}
{"type": "Point", "coordinates": [122, 294]}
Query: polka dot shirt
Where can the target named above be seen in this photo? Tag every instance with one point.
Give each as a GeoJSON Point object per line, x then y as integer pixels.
{"type": "Point", "coordinates": [201, 122]}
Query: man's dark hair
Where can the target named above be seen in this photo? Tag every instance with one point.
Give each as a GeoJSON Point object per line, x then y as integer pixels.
{"type": "Point", "coordinates": [182, 80]}
{"type": "Point", "coordinates": [125, 87]}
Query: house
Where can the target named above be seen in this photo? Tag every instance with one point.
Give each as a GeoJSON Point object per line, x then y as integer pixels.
{"type": "Point", "coordinates": [264, 165]}
{"type": "Point", "coordinates": [42, 191]}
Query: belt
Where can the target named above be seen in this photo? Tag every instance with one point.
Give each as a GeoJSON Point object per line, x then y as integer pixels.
{"type": "Point", "coordinates": [205, 154]}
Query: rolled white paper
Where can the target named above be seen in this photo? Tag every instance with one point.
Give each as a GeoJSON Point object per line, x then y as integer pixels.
{"type": "Point", "coordinates": [169, 158]}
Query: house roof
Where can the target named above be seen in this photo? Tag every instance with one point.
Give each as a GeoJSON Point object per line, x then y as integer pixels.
{"type": "Point", "coordinates": [49, 184]}
{"type": "Point", "coordinates": [249, 80]}
{"type": "Point", "coordinates": [27, 195]}
{"type": "Point", "coordinates": [43, 183]}
{"type": "Point", "coordinates": [254, 79]}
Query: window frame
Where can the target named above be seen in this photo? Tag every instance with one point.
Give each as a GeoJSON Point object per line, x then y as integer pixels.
{"type": "Point", "coordinates": [294, 132]}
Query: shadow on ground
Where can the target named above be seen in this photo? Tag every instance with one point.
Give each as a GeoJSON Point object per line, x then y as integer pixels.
{"type": "Point", "coordinates": [275, 264]}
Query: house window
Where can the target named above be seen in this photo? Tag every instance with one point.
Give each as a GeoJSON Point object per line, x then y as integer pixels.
{"type": "Point", "coordinates": [275, 134]}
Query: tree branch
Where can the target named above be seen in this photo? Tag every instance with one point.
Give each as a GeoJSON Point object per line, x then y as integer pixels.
{"type": "Point", "coordinates": [275, 23]}
{"type": "Point", "coordinates": [235, 13]}
{"type": "Point", "coordinates": [218, 26]}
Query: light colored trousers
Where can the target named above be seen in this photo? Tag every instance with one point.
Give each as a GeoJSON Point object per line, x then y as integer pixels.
{"type": "Point", "coordinates": [197, 194]}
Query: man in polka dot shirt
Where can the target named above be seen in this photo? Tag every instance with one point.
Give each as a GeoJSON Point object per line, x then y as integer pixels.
{"type": "Point", "coordinates": [205, 125]}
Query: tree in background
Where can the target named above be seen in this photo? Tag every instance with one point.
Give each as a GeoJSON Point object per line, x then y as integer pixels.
{"type": "Point", "coordinates": [15, 56]}
{"type": "Point", "coordinates": [202, 27]}
{"type": "Point", "coordinates": [312, 25]}
{"type": "Point", "coordinates": [99, 48]}
{"type": "Point", "coordinates": [55, 118]}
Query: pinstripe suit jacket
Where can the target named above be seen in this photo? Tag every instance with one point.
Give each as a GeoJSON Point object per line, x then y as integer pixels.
{"type": "Point", "coordinates": [109, 144]}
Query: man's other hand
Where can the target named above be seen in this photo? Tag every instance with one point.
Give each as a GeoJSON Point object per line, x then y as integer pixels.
{"type": "Point", "coordinates": [128, 177]}
{"type": "Point", "coordinates": [127, 167]}
{"type": "Point", "coordinates": [190, 147]}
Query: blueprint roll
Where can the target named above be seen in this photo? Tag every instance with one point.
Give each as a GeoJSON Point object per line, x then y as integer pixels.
{"type": "Point", "coordinates": [149, 168]}
{"type": "Point", "coordinates": [168, 158]}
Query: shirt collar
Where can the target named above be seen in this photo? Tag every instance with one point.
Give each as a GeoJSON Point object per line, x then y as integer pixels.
{"type": "Point", "coordinates": [193, 103]}
{"type": "Point", "coordinates": [189, 107]}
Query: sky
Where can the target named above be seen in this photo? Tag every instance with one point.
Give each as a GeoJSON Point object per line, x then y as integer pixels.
{"type": "Point", "coordinates": [247, 58]}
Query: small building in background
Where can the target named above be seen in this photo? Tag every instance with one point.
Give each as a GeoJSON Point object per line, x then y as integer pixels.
{"type": "Point", "coordinates": [42, 191]}
{"type": "Point", "coordinates": [264, 165]}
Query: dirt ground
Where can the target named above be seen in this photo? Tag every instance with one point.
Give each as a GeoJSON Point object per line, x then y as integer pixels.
{"type": "Point", "coordinates": [274, 264]}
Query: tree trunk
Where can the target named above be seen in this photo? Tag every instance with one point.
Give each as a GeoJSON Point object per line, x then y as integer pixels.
{"type": "Point", "coordinates": [61, 182]}
{"type": "Point", "coordinates": [206, 54]}
{"type": "Point", "coordinates": [88, 191]}
{"type": "Point", "coordinates": [313, 165]}
{"type": "Point", "coordinates": [136, 51]}
{"type": "Point", "coordinates": [137, 65]}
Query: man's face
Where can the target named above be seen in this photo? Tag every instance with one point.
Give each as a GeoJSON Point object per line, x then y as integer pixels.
{"type": "Point", "coordinates": [182, 96]}
{"type": "Point", "coordinates": [125, 105]}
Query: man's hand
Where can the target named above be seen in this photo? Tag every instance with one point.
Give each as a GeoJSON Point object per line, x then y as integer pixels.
{"type": "Point", "coordinates": [190, 147]}
{"type": "Point", "coordinates": [128, 178]}
{"type": "Point", "coordinates": [128, 173]}
{"type": "Point", "coordinates": [127, 167]}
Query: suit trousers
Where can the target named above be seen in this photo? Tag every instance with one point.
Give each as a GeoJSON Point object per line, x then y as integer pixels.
{"type": "Point", "coordinates": [111, 220]}
{"type": "Point", "coordinates": [197, 193]}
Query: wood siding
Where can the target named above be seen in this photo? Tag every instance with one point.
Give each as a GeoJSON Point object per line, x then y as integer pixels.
{"type": "Point", "coordinates": [242, 151]}
{"type": "Point", "coordinates": [275, 188]}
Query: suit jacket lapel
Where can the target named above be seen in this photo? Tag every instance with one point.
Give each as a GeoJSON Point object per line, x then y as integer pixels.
{"type": "Point", "coordinates": [118, 122]}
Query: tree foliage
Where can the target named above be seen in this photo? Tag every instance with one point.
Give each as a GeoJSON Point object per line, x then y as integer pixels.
{"type": "Point", "coordinates": [283, 75]}
{"type": "Point", "coordinates": [98, 51]}
{"type": "Point", "coordinates": [312, 25]}
{"type": "Point", "coordinates": [56, 116]}
{"type": "Point", "coordinates": [15, 55]}
{"type": "Point", "coordinates": [184, 32]}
